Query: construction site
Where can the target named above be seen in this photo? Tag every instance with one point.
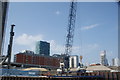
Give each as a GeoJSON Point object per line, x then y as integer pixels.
{"type": "Point", "coordinates": [40, 65]}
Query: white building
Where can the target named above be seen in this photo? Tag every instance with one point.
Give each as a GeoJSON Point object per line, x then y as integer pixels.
{"type": "Point", "coordinates": [73, 61]}
{"type": "Point", "coordinates": [103, 59]}
{"type": "Point", "coordinates": [116, 62]}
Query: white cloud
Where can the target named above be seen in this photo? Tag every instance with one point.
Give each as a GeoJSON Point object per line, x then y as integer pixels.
{"type": "Point", "coordinates": [90, 48]}
{"type": "Point", "coordinates": [28, 40]}
{"type": "Point", "coordinates": [57, 12]}
{"type": "Point", "coordinates": [93, 46]}
{"type": "Point", "coordinates": [56, 48]}
{"type": "Point", "coordinates": [76, 49]}
{"type": "Point", "coordinates": [85, 49]}
{"type": "Point", "coordinates": [61, 48]}
{"type": "Point", "coordinates": [89, 27]}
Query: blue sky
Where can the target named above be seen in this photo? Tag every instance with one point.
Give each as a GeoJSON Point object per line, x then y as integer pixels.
{"type": "Point", "coordinates": [96, 27]}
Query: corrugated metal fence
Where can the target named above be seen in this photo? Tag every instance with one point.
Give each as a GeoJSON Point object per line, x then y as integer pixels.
{"type": "Point", "coordinates": [107, 75]}
{"type": "Point", "coordinates": [91, 76]}
{"type": "Point", "coordinates": [14, 74]}
{"type": "Point", "coordinates": [51, 78]}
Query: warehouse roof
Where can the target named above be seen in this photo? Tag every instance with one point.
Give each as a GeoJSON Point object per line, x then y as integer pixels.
{"type": "Point", "coordinates": [36, 69]}
{"type": "Point", "coordinates": [98, 68]}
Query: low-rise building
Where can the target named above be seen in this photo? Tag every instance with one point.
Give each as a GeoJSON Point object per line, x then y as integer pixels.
{"type": "Point", "coordinates": [36, 59]}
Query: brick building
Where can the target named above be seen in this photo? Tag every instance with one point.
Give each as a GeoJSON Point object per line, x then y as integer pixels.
{"type": "Point", "coordinates": [36, 59]}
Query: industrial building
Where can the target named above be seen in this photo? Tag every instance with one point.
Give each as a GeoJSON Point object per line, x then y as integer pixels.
{"type": "Point", "coordinates": [28, 57]}
{"type": "Point", "coordinates": [103, 59]}
{"type": "Point", "coordinates": [43, 48]}
{"type": "Point", "coordinates": [73, 61]}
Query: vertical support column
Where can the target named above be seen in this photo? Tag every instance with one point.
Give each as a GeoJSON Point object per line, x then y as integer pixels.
{"type": "Point", "coordinates": [3, 15]}
{"type": "Point", "coordinates": [119, 32]}
{"type": "Point", "coordinates": [10, 46]}
{"type": "Point", "coordinates": [0, 27]}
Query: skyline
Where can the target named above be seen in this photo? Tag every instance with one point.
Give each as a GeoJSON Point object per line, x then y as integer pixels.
{"type": "Point", "coordinates": [93, 31]}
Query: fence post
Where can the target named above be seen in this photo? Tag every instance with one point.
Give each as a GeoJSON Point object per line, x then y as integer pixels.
{"type": "Point", "coordinates": [117, 75]}
{"type": "Point", "coordinates": [112, 76]}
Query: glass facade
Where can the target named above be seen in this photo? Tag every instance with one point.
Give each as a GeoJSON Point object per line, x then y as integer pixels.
{"type": "Point", "coordinates": [43, 48]}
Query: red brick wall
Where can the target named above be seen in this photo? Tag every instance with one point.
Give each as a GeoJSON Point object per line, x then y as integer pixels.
{"type": "Point", "coordinates": [37, 60]}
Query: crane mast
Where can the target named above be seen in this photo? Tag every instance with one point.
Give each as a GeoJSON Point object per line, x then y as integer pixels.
{"type": "Point", "coordinates": [70, 28]}
{"type": "Point", "coordinates": [70, 33]}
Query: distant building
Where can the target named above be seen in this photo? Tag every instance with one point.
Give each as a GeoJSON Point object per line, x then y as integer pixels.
{"type": "Point", "coordinates": [27, 52]}
{"type": "Point", "coordinates": [56, 55]}
{"type": "Point", "coordinates": [28, 57]}
{"type": "Point", "coordinates": [3, 12]}
{"type": "Point", "coordinates": [18, 58]}
{"type": "Point", "coordinates": [103, 59]}
{"type": "Point", "coordinates": [43, 48]}
{"type": "Point", "coordinates": [73, 61]}
{"type": "Point", "coordinates": [115, 62]}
